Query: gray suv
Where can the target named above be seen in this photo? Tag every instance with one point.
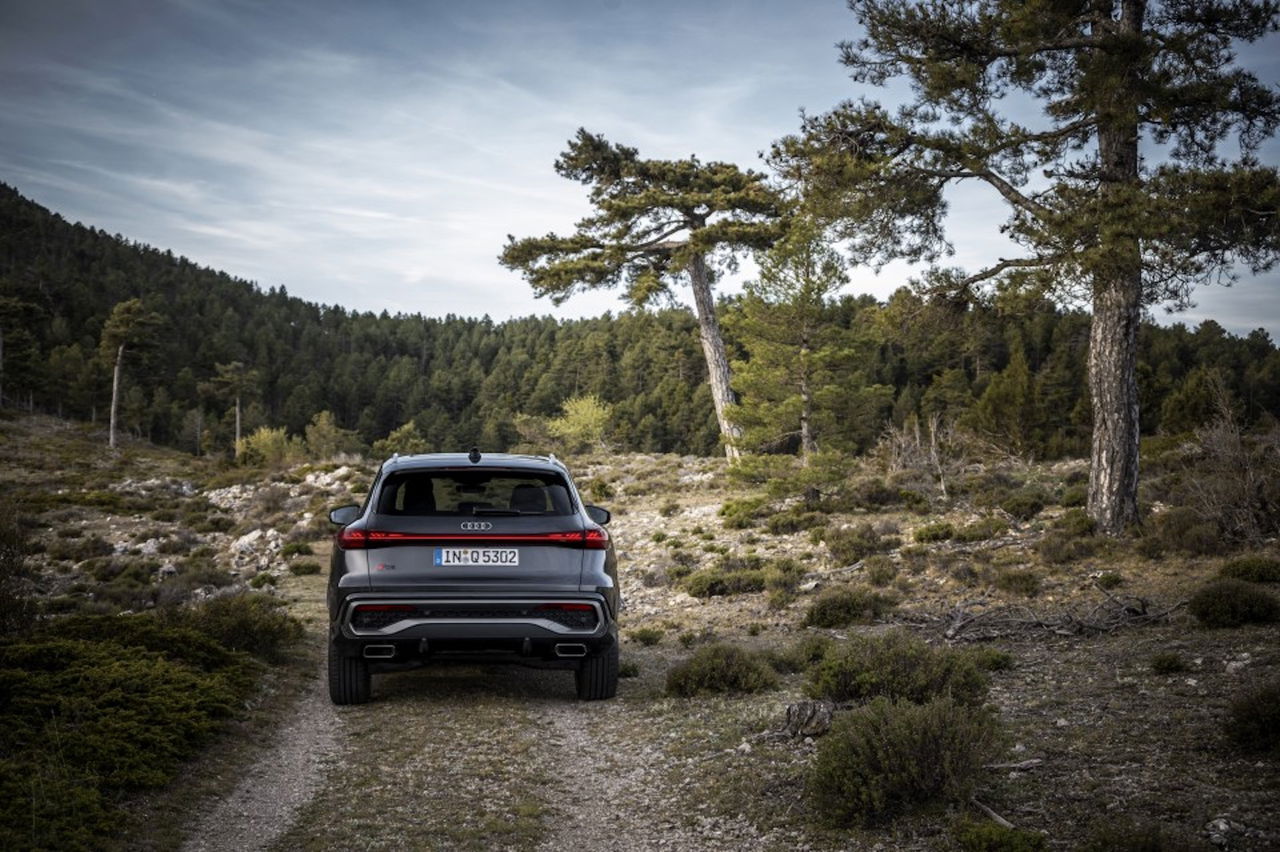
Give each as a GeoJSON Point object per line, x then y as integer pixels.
{"type": "Point", "coordinates": [471, 558]}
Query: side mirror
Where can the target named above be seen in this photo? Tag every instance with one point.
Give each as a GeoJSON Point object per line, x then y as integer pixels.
{"type": "Point", "coordinates": [598, 514]}
{"type": "Point", "coordinates": [344, 515]}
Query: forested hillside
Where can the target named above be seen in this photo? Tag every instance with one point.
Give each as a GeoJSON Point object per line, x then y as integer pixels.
{"type": "Point", "coordinates": [1012, 372]}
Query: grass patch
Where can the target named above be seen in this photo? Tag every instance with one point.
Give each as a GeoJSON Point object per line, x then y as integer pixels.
{"type": "Point", "coordinates": [1018, 582]}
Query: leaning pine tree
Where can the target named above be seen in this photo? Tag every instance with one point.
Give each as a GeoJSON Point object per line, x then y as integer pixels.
{"type": "Point", "coordinates": [656, 221]}
{"type": "Point", "coordinates": [1093, 219]}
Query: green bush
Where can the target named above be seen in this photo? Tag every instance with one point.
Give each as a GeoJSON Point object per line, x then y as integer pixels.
{"type": "Point", "coordinates": [1109, 580]}
{"type": "Point", "coordinates": [296, 548]}
{"type": "Point", "coordinates": [79, 549]}
{"type": "Point", "coordinates": [1058, 548]}
{"type": "Point", "coordinates": [941, 531]}
{"type": "Point", "coordinates": [990, 659]}
{"type": "Point", "coordinates": [881, 570]}
{"type": "Point", "coordinates": [981, 529]}
{"type": "Point", "coordinates": [853, 544]}
{"type": "Point", "coordinates": [646, 635]}
{"type": "Point", "coordinates": [794, 521]}
{"type": "Point", "coordinates": [98, 708]}
{"type": "Point", "coordinates": [1231, 603]}
{"type": "Point", "coordinates": [783, 575]}
{"type": "Point", "coordinates": [973, 836]}
{"type": "Point", "coordinates": [1254, 719]}
{"type": "Point", "coordinates": [1024, 504]}
{"type": "Point", "coordinates": [841, 606]}
{"type": "Point", "coordinates": [1075, 523]}
{"type": "Point", "coordinates": [1074, 496]}
{"type": "Point", "coordinates": [721, 667]}
{"type": "Point", "coordinates": [252, 623]}
{"type": "Point", "coordinates": [1168, 662]}
{"type": "Point", "coordinates": [743, 513]}
{"type": "Point", "coordinates": [1181, 529]}
{"type": "Point", "coordinates": [669, 509]}
{"type": "Point", "coordinates": [1127, 835]}
{"type": "Point", "coordinates": [889, 757]}
{"type": "Point", "coordinates": [899, 666]}
{"type": "Point", "coordinates": [717, 582]}
{"type": "Point", "coordinates": [305, 568]}
{"type": "Point", "coordinates": [1255, 569]}
{"type": "Point", "coordinates": [1018, 582]}
{"type": "Point", "coordinates": [800, 655]}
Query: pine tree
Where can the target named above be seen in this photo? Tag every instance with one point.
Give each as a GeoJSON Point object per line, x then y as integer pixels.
{"type": "Point", "coordinates": [1093, 220]}
{"type": "Point", "coordinates": [784, 323]}
{"type": "Point", "coordinates": [656, 221]}
{"type": "Point", "coordinates": [130, 325]}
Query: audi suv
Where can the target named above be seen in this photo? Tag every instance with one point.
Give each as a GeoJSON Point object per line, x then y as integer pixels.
{"type": "Point", "coordinates": [472, 558]}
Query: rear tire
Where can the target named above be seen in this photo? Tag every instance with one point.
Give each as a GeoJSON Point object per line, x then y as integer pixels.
{"type": "Point", "coordinates": [349, 678]}
{"type": "Point", "coordinates": [597, 676]}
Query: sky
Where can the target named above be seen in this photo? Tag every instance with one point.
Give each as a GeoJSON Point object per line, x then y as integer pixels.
{"type": "Point", "coordinates": [376, 154]}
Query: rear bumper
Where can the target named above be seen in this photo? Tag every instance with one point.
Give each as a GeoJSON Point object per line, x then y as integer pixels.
{"type": "Point", "coordinates": [379, 617]}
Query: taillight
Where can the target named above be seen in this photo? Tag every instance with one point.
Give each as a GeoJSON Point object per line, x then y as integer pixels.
{"type": "Point", "coordinates": [385, 608]}
{"type": "Point", "coordinates": [353, 539]}
{"type": "Point", "coordinates": [592, 538]}
{"type": "Point", "coordinates": [564, 607]}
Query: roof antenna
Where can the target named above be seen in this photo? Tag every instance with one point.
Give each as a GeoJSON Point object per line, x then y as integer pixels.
{"type": "Point", "coordinates": [474, 455]}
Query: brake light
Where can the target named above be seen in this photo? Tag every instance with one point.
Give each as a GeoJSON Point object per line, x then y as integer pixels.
{"type": "Point", "coordinates": [352, 539]}
{"type": "Point", "coordinates": [592, 538]}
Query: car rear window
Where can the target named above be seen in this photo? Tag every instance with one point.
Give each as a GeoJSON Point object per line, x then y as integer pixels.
{"type": "Point", "coordinates": [471, 492]}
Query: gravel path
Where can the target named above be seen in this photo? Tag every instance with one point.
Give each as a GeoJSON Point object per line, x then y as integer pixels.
{"type": "Point", "coordinates": [283, 779]}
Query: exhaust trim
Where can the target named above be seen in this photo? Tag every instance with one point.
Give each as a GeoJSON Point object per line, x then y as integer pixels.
{"type": "Point", "coordinates": [571, 649]}
{"type": "Point", "coordinates": [379, 652]}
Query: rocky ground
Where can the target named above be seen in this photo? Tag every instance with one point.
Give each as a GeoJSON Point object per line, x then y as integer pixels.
{"type": "Point", "coordinates": [467, 758]}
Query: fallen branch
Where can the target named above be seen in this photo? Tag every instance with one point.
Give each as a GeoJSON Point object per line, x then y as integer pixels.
{"type": "Point", "coordinates": [1004, 823]}
{"type": "Point", "coordinates": [971, 621]}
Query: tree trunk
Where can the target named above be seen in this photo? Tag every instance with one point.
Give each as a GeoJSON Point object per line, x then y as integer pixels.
{"type": "Point", "coordinates": [237, 445]}
{"type": "Point", "coordinates": [808, 445]}
{"type": "Point", "coordinates": [722, 395]}
{"type": "Point", "coordinates": [1117, 307]}
{"type": "Point", "coordinates": [1, 368]}
{"type": "Point", "coordinates": [115, 397]}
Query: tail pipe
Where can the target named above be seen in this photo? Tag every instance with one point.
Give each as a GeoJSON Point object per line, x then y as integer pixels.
{"type": "Point", "coordinates": [571, 649]}
{"type": "Point", "coordinates": [379, 652]}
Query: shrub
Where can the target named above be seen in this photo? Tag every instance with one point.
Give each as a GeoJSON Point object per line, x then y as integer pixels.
{"type": "Point", "coordinates": [1254, 719]}
{"type": "Point", "coordinates": [17, 607]}
{"type": "Point", "coordinates": [260, 580]}
{"type": "Point", "coordinates": [669, 509]}
{"type": "Point", "coordinates": [1024, 504]}
{"type": "Point", "coordinates": [740, 514]}
{"type": "Point", "coordinates": [251, 623]}
{"type": "Point", "coordinates": [305, 568]}
{"type": "Point", "coordinates": [888, 757]}
{"type": "Point", "coordinates": [802, 654]}
{"type": "Point", "coordinates": [843, 605]}
{"type": "Point", "coordinates": [880, 570]}
{"type": "Point", "coordinates": [1181, 529]}
{"type": "Point", "coordinates": [783, 575]}
{"type": "Point", "coordinates": [942, 531]}
{"type": "Point", "coordinates": [1255, 569]}
{"type": "Point", "coordinates": [1231, 603]}
{"type": "Point", "coordinates": [897, 665]}
{"type": "Point", "coordinates": [1016, 582]}
{"type": "Point", "coordinates": [628, 668]}
{"type": "Point", "coordinates": [1057, 548]}
{"type": "Point", "coordinates": [1167, 663]}
{"type": "Point", "coordinates": [716, 582]}
{"type": "Point", "coordinates": [974, 836]}
{"type": "Point", "coordinates": [1075, 523]}
{"type": "Point", "coordinates": [991, 659]}
{"type": "Point", "coordinates": [794, 521]}
{"type": "Point", "coordinates": [646, 635]}
{"type": "Point", "coordinates": [1126, 835]}
{"type": "Point", "coordinates": [721, 667]}
{"type": "Point", "coordinates": [79, 549]}
{"type": "Point", "coordinates": [1074, 496]}
{"type": "Point", "coordinates": [1109, 580]}
{"type": "Point", "coordinates": [852, 544]}
{"type": "Point", "coordinates": [981, 529]}
{"type": "Point", "coordinates": [296, 548]}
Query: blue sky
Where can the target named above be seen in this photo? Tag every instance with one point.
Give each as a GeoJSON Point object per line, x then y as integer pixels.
{"type": "Point", "coordinates": [376, 154]}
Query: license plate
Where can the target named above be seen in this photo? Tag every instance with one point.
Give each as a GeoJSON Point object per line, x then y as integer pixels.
{"type": "Point", "coordinates": [502, 556]}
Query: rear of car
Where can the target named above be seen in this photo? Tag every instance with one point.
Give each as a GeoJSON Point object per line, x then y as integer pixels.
{"type": "Point", "coordinates": [464, 558]}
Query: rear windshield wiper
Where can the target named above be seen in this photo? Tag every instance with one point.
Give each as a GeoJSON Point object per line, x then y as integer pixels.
{"type": "Point", "coordinates": [512, 512]}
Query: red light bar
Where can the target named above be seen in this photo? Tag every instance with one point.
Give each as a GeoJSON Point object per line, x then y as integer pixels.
{"type": "Point", "coordinates": [592, 538]}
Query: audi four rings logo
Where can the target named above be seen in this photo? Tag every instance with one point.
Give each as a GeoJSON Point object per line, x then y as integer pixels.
{"type": "Point", "coordinates": [477, 525]}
